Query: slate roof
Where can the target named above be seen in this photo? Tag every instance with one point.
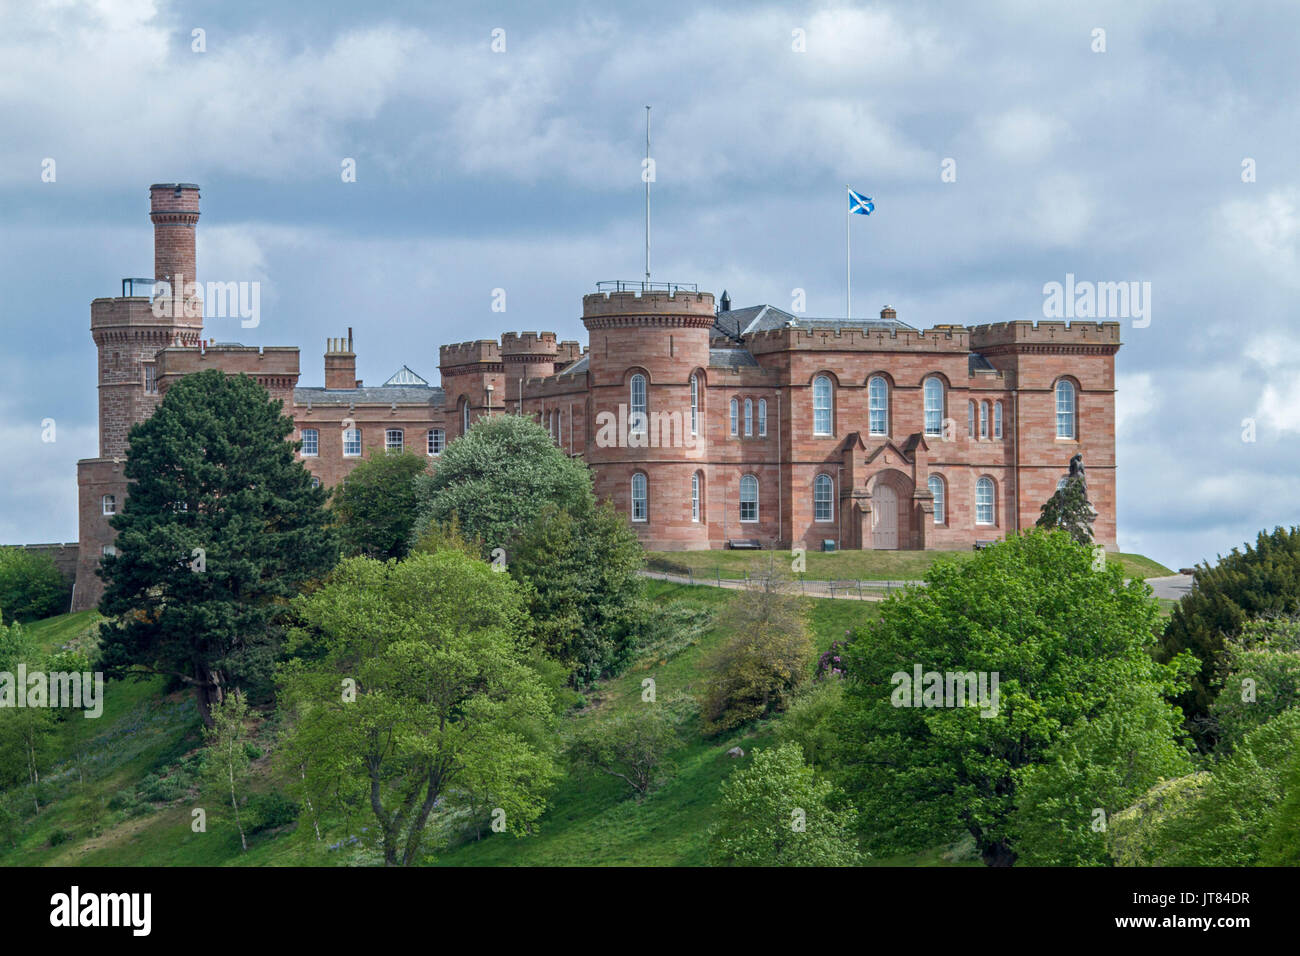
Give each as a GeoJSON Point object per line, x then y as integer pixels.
{"type": "Point", "coordinates": [737, 323]}
{"type": "Point", "coordinates": [978, 363]}
{"type": "Point", "coordinates": [731, 358]}
{"type": "Point", "coordinates": [576, 368]}
{"type": "Point", "coordinates": [374, 395]}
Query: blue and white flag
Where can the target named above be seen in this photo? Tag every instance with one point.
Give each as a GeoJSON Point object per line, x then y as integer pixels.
{"type": "Point", "coordinates": [860, 204]}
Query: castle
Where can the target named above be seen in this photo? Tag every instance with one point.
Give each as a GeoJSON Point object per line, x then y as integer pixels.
{"type": "Point", "coordinates": [706, 426]}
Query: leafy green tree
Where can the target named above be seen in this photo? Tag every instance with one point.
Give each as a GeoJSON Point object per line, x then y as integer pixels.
{"type": "Point", "coordinates": [767, 656]}
{"type": "Point", "coordinates": [775, 812]}
{"type": "Point", "coordinates": [1070, 511]}
{"type": "Point", "coordinates": [221, 527]}
{"type": "Point", "coordinates": [1281, 846]}
{"type": "Point", "coordinates": [1161, 822]}
{"type": "Point", "coordinates": [496, 479]}
{"type": "Point", "coordinates": [227, 765]}
{"type": "Point", "coordinates": [582, 571]}
{"type": "Point", "coordinates": [1096, 768]}
{"type": "Point", "coordinates": [31, 586]}
{"type": "Point", "coordinates": [1065, 642]}
{"type": "Point", "coordinates": [25, 732]}
{"type": "Point", "coordinates": [1257, 582]}
{"type": "Point", "coordinates": [412, 683]}
{"type": "Point", "coordinates": [633, 747]}
{"type": "Point", "coordinates": [375, 505]}
{"type": "Point", "coordinates": [1263, 678]}
{"type": "Point", "coordinates": [810, 720]}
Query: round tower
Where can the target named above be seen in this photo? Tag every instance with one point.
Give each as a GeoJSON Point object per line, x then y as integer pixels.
{"type": "Point", "coordinates": [526, 355]}
{"type": "Point", "coordinates": [647, 343]}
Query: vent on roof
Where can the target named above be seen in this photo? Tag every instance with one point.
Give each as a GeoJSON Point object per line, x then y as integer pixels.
{"type": "Point", "coordinates": [404, 376]}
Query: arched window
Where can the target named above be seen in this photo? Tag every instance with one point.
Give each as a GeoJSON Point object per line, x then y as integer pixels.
{"type": "Point", "coordinates": [315, 482]}
{"type": "Point", "coordinates": [695, 496]}
{"type": "Point", "coordinates": [639, 504]}
{"type": "Point", "coordinates": [637, 420]}
{"type": "Point", "coordinates": [1065, 410]}
{"type": "Point", "coordinates": [110, 504]}
{"type": "Point", "coordinates": [559, 427]}
{"type": "Point", "coordinates": [762, 418]}
{"type": "Point", "coordinates": [970, 419]}
{"type": "Point", "coordinates": [352, 443]}
{"type": "Point", "coordinates": [749, 417]}
{"type": "Point", "coordinates": [878, 406]}
{"type": "Point", "coordinates": [935, 484]}
{"type": "Point", "coordinates": [310, 442]}
{"type": "Point", "coordinates": [984, 501]}
{"type": "Point", "coordinates": [933, 406]}
{"type": "Point", "coordinates": [735, 417]}
{"type": "Point", "coordinates": [748, 498]}
{"type": "Point", "coordinates": [437, 441]}
{"type": "Point", "coordinates": [984, 420]}
{"type": "Point", "coordinates": [394, 439]}
{"type": "Point", "coordinates": [821, 405]}
{"type": "Point", "coordinates": [464, 416]}
{"type": "Point", "coordinates": [823, 498]}
{"type": "Point", "coordinates": [695, 404]}
{"type": "Point", "coordinates": [997, 420]}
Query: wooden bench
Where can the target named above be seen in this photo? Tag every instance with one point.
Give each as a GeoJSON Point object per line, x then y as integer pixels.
{"type": "Point", "coordinates": [980, 545]}
{"type": "Point", "coordinates": [744, 544]}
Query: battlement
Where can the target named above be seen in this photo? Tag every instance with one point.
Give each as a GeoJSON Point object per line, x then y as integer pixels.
{"type": "Point", "coordinates": [528, 345]}
{"type": "Point", "coordinates": [944, 338]}
{"type": "Point", "coordinates": [686, 307]}
{"type": "Point", "coordinates": [468, 353]}
{"type": "Point", "coordinates": [275, 367]}
{"type": "Point", "coordinates": [1044, 332]}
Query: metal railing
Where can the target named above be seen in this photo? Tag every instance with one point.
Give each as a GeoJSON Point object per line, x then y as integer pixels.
{"type": "Point", "coordinates": [638, 285]}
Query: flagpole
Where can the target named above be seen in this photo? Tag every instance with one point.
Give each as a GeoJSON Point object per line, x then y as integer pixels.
{"type": "Point", "coordinates": [647, 195]}
{"type": "Point", "coordinates": [848, 258]}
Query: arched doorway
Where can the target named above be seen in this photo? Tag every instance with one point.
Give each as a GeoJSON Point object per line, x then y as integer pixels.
{"type": "Point", "coordinates": [891, 503]}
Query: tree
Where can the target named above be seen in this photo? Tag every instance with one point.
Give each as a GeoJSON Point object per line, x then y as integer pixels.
{"type": "Point", "coordinates": [582, 571]}
{"type": "Point", "coordinates": [764, 660]}
{"type": "Point", "coordinates": [776, 813]}
{"type": "Point", "coordinates": [221, 527]}
{"type": "Point", "coordinates": [31, 586]}
{"type": "Point", "coordinates": [632, 747]}
{"type": "Point", "coordinates": [227, 762]}
{"type": "Point", "coordinates": [1013, 649]}
{"type": "Point", "coordinates": [496, 479]}
{"type": "Point", "coordinates": [1095, 769]}
{"type": "Point", "coordinates": [810, 720]}
{"type": "Point", "coordinates": [412, 684]}
{"type": "Point", "coordinates": [1160, 823]}
{"type": "Point", "coordinates": [1281, 846]}
{"type": "Point", "coordinates": [375, 505]}
{"type": "Point", "coordinates": [1262, 666]}
{"type": "Point", "coordinates": [1257, 582]}
{"type": "Point", "coordinates": [1069, 510]}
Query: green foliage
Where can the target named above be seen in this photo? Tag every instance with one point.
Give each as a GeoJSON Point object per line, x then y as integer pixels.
{"type": "Point", "coordinates": [810, 720]}
{"type": "Point", "coordinates": [1263, 678]}
{"type": "Point", "coordinates": [414, 689]}
{"type": "Point", "coordinates": [666, 630]}
{"type": "Point", "coordinates": [375, 505]}
{"type": "Point", "coordinates": [1068, 510]}
{"type": "Point", "coordinates": [1258, 582]}
{"type": "Point", "coordinates": [776, 813]}
{"type": "Point", "coordinates": [1096, 768]}
{"type": "Point", "coordinates": [757, 670]}
{"type": "Point", "coordinates": [633, 747]}
{"type": "Point", "coordinates": [221, 527]}
{"type": "Point", "coordinates": [270, 811]}
{"type": "Point", "coordinates": [1281, 845]}
{"type": "Point", "coordinates": [497, 478]}
{"type": "Point", "coordinates": [1066, 641]}
{"type": "Point", "coordinates": [226, 767]}
{"type": "Point", "coordinates": [581, 571]}
{"type": "Point", "coordinates": [31, 586]}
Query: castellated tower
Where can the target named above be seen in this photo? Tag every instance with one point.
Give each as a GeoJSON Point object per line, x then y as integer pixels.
{"type": "Point", "coordinates": [526, 355]}
{"type": "Point", "coordinates": [645, 348]}
{"type": "Point", "coordinates": [129, 331]}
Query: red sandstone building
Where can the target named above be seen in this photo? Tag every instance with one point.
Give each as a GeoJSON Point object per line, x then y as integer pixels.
{"type": "Point", "coordinates": [704, 425]}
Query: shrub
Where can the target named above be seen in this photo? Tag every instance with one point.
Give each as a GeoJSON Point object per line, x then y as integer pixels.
{"type": "Point", "coordinates": [31, 586]}
{"type": "Point", "coordinates": [269, 811]}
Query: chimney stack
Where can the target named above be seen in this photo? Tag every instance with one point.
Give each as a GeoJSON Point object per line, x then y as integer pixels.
{"type": "Point", "coordinates": [341, 363]}
{"type": "Point", "coordinates": [888, 313]}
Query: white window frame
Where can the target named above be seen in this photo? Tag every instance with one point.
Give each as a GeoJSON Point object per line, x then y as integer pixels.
{"type": "Point", "coordinates": [695, 404]}
{"type": "Point", "coordinates": [464, 416]}
{"type": "Point", "coordinates": [435, 442]}
{"type": "Point", "coordinates": [638, 417]}
{"type": "Point", "coordinates": [990, 504]}
{"type": "Point", "coordinates": [1066, 411]}
{"type": "Point", "coordinates": [695, 496]}
{"type": "Point", "coordinates": [311, 449]}
{"type": "Point", "coordinates": [984, 421]}
{"type": "Point", "coordinates": [762, 418]}
{"type": "Point", "coordinates": [749, 418]}
{"type": "Point", "coordinates": [108, 504]}
{"type": "Point", "coordinates": [640, 514]}
{"type": "Point", "coordinates": [997, 420]}
{"type": "Point", "coordinates": [735, 417]}
{"type": "Point", "coordinates": [936, 485]}
{"type": "Point", "coordinates": [970, 419]}
{"type": "Point", "coordinates": [388, 439]}
{"type": "Point", "coordinates": [877, 405]}
{"type": "Point", "coordinates": [349, 441]}
{"type": "Point", "coordinates": [828, 499]}
{"type": "Point", "coordinates": [933, 399]}
{"type": "Point", "coordinates": [753, 481]}
{"type": "Point", "coordinates": [315, 481]}
{"type": "Point", "coordinates": [823, 406]}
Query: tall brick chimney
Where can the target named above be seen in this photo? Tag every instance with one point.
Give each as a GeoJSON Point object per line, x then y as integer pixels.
{"type": "Point", "coordinates": [340, 363]}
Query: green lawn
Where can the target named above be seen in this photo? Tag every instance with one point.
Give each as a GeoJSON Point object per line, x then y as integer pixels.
{"type": "Point", "coordinates": [846, 565]}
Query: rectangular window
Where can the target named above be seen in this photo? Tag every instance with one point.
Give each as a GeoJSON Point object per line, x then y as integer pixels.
{"type": "Point", "coordinates": [393, 439]}
{"type": "Point", "coordinates": [437, 441]}
{"type": "Point", "coordinates": [310, 442]}
{"type": "Point", "coordinates": [749, 418]}
{"type": "Point", "coordinates": [110, 504]}
{"type": "Point", "coordinates": [984, 419]}
{"type": "Point", "coordinates": [984, 501]}
{"type": "Point", "coordinates": [735, 417]}
{"type": "Point", "coordinates": [151, 379]}
{"type": "Point", "coordinates": [762, 418]}
{"type": "Point", "coordinates": [997, 419]}
{"type": "Point", "coordinates": [352, 443]}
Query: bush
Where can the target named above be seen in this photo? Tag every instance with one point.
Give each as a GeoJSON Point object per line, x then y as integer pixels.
{"type": "Point", "coordinates": [31, 586]}
{"type": "Point", "coordinates": [664, 631]}
{"type": "Point", "coordinates": [633, 747]}
{"type": "Point", "coordinates": [270, 811]}
{"type": "Point", "coordinates": [375, 505]}
{"type": "Point", "coordinates": [810, 721]}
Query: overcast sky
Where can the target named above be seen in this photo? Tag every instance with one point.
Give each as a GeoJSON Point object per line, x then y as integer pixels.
{"type": "Point", "coordinates": [521, 170]}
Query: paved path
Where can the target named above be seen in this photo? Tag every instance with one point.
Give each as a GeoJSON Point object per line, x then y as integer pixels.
{"type": "Point", "coordinates": [1172, 588]}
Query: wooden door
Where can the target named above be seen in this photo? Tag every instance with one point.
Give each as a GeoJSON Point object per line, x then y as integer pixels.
{"type": "Point", "coordinates": [884, 510]}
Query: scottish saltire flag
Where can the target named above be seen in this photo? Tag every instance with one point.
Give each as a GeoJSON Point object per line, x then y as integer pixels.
{"type": "Point", "coordinates": [860, 204]}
